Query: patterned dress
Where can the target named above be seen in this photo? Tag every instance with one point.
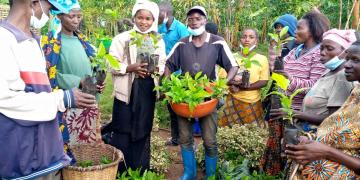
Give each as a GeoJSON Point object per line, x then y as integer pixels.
{"type": "Point", "coordinates": [341, 130]}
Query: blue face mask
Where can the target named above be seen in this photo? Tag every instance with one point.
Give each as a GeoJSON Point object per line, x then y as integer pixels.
{"type": "Point", "coordinates": [197, 32]}
{"type": "Point", "coordinates": [334, 63]}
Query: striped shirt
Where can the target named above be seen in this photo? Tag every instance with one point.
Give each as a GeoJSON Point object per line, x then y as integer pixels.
{"type": "Point", "coordinates": [303, 72]}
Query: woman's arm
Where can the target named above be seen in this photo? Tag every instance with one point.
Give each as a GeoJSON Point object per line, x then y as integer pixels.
{"type": "Point", "coordinates": [305, 153]}
{"type": "Point", "coordinates": [255, 86]}
{"type": "Point", "coordinates": [313, 118]}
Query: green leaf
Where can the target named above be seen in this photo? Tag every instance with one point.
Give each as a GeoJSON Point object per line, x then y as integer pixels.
{"type": "Point", "coordinates": [274, 36]}
{"type": "Point", "coordinates": [280, 80]}
{"type": "Point", "coordinates": [114, 63]}
{"type": "Point", "coordinates": [296, 93]}
{"type": "Point", "coordinates": [101, 50]}
{"type": "Point", "coordinates": [284, 31]}
{"type": "Point", "coordinates": [256, 62]}
{"type": "Point", "coordinates": [197, 76]}
{"type": "Point", "coordinates": [246, 50]}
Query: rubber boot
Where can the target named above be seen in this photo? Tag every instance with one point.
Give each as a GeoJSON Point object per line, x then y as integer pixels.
{"type": "Point", "coordinates": [210, 166]}
{"type": "Point", "coordinates": [189, 162]}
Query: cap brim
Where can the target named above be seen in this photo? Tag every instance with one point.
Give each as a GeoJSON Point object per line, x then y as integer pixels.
{"type": "Point", "coordinates": [195, 10]}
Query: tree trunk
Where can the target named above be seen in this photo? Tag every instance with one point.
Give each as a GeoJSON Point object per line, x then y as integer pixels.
{"type": "Point", "coordinates": [355, 21]}
{"type": "Point", "coordinates": [340, 12]}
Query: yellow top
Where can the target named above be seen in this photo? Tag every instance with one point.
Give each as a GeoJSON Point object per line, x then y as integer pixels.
{"type": "Point", "coordinates": [257, 73]}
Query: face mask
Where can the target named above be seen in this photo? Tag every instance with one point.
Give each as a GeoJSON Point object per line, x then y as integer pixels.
{"type": "Point", "coordinates": [334, 63]}
{"type": "Point", "coordinates": [55, 26]}
{"type": "Point", "coordinates": [197, 32]}
{"type": "Point", "coordinates": [35, 22]}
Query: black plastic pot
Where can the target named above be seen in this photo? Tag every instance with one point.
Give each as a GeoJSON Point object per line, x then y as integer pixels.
{"type": "Point", "coordinates": [291, 134]}
{"type": "Point", "coordinates": [153, 63]}
{"type": "Point", "coordinates": [246, 78]}
{"type": "Point", "coordinates": [279, 63]}
{"type": "Point", "coordinates": [275, 102]}
{"type": "Point", "coordinates": [100, 77]}
{"type": "Point", "coordinates": [89, 85]}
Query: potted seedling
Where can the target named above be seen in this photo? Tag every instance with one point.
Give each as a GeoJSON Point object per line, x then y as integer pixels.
{"type": "Point", "coordinates": [99, 64]}
{"type": "Point", "coordinates": [192, 97]}
{"type": "Point", "coordinates": [291, 133]}
{"type": "Point", "coordinates": [146, 46]}
{"type": "Point", "coordinates": [280, 39]}
{"type": "Point", "coordinates": [246, 62]}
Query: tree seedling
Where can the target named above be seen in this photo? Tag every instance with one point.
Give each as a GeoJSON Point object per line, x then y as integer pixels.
{"type": "Point", "coordinates": [280, 39]}
{"type": "Point", "coordinates": [246, 62]}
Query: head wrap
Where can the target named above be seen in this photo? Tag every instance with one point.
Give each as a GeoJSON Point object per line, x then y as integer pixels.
{"type": "Point", "coordinates": [289, 21]}
{"type": "Point", "coordinates": [343, 37]}
{"type": "Point", "coordinates": [150, 6]}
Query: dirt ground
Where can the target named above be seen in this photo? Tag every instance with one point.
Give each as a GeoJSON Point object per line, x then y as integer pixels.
{"type": "Point", "coordinates": [176, 168]}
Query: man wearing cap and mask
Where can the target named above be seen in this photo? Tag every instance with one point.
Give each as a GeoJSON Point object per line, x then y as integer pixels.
{"type": "Point", "coordinates": [201, 51]}
{"type": "Point", "coordinates": [31, 146]}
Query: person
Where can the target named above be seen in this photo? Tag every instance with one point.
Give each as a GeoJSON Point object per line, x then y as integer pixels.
{"type": "Point", "coordinates": [30, 140]}
{"type": "Point", "coordinates": [335, 152]}
{"type": "Point", "coordinates": [243, 104]}
{"type": "Point", "coordinates": [302, 66]}
{"type": "Point", "coordinates": [201, 51]}
{"type": "Point", "coordinates": [285, 20]}
{"type": "Point", "coordinates": [171, 31]}
{"type": "Point", "coordinates": [67, 55]}
{"type": "Point", "coordinates": [330, 92]}
{"type": "Point", "coordinates": [134, 102]}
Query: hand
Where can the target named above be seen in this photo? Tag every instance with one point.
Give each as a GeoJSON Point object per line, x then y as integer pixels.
{"type": "Point", "coordinates": [305, 153]}
{"type": "Point", "coordinates": [138, 68]}
{"type": "Point", "coordinates": [83, 100]}
{"type": "Point", "coordinates": [101, 87]}
{"type": "Point", "coordinates": [284, 73]}
{"type": "Point", "coordinates": [234, 89]}
{"type": "Point", "coordinates": [277, 113]}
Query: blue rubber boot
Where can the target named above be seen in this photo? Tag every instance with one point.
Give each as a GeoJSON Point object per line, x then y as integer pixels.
{"type": "Point", "coordinates": [210, 166]}
{"type": "Point", "coordinates": [189, 162]}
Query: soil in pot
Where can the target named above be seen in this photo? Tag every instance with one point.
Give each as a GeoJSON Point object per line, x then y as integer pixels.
{"type": "Point", "coordinates": [89, 85]}
{"type": "Point", "coordinates": [291, 135]}
{"type": "Point", "coordinates": [279, 63]}
{"type": "Point", "coordinates": [153, 63]}
{"type": "Point", "coordinates": [246, 78]}
{"type": "Point", "coordinates": [100, 77]}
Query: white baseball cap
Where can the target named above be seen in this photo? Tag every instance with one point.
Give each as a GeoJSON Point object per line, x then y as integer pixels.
{"type": "Point", "coordinates": [197, 8]}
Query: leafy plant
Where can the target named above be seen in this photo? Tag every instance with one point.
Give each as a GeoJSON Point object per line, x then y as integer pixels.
{"type": "Point", "coordinates": [280, 38]}
{"type": "Point", "coordinates": [105, 160]}
{"type": "Point", "coordinates": [136, 175]}
{"type": "Point", "coordinates": [160, 159]}
{"type": "Point", "coordinates": [102, 59]}
{"type": "Point", "coordinates": [237, 143]}
{"type": "Point", "coordinates": [247, 61]}
{"type": "Point", "coordinates": [286, 100]}
{"type": "Point", "coordinates": [139, 40]}
{"type": "Point", "coordinates": [189, 90]}
{"type": "Point", "coordinates": [85, 163]}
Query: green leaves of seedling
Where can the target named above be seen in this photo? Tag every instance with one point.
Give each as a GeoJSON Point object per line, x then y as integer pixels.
{"type": "Point", "coordinates": [280, 38]}
{"type": "Point", "coordinates": [105, 160]}
{"type": "Point", "coordinates": [102, 60]}
{"type": "Point", "coordinates": [280, 80]}
{"type": "Point", "coordinates": [85, 163]}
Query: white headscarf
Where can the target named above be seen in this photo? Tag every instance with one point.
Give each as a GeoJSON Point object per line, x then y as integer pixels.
{"type": "Point", "coordinates": [150, 6]}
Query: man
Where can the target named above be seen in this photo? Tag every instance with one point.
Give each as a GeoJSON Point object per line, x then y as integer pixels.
{"type": "Point", "coordinates": [30, 142]}
{"type": "Point", "coordinates": [172, 31]}
{"type": "Point", "coordinates": [201, 51]}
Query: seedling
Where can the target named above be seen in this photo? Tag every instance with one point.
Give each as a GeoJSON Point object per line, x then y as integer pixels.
{"type": "Point", "coordinates": [246, 61]}
{"type": "Point", "coordinates": [105, 160]}
{"type": "Point", "coordinates": [280, 39]}
{"type": "Point", "coordinates": [85, 163]}
{"type": "Point", "coordinates": [189, 90]}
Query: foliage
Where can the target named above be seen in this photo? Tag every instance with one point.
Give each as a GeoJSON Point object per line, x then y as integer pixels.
{"type": "Point", "coordinates": [189, 90]}
{"type": "Point", "coordinates": [238, 142]}
{"type": "Point", "coordinates": [85, 163]}
{"type": "Point", "coordinates": [280, 38]}
{"type": "Point", "coordinates": [286, 100]}
{"type": "Point", "coordinates": [162, 115]}
{"type": "Point", "coordinates": [136, 175]}
{"type": "Point", "coordinates": [102, 59]}
{"type": "Point", "coordinates": [229, 170]}
{"type": "Point", "coordinates": [138, 39]}
{"type": "Point", "coordinates": [160, 157]}
{"type": "Point", "coordinates": [247, 61]}
{"type": "Point", "coordinates": [105, 160]}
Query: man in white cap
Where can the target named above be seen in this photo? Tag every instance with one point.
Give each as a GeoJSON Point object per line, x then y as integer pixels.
{"type": "Point", "coordinates": [31, 146]}
{"type": "Point", "coordinates": [201, 51]}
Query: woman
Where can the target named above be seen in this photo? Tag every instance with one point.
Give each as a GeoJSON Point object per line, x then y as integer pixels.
{"type": "Point", "coordinates": [330, 92]}
{"type": "Point", "coordinates": [335, 153]}
{"type": "Point", "coordinates": [303, 68]}
{"type": "Point", "coordinates": [243, 104]}
{"type": "Point", "coordinates": [68, 55]}
{"type": "Point", "coordinates": [134, 101]}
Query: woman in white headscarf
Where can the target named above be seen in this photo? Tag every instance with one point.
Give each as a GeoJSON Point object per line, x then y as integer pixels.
{"type": "Point", "coordinates": [134, 102]}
